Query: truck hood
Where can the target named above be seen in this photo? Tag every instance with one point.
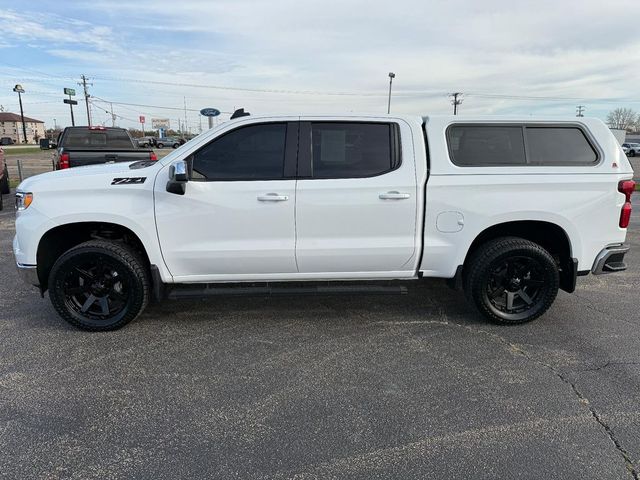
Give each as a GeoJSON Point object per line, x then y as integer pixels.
{"type": "Point", "coordinates": [88, 174]}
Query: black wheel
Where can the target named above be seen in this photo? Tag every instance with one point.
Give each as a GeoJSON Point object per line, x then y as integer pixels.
{"type": "Point", "coordinates": [161, 145]}
{"type": "Point", "coordinates": [632, 153]}
{"type": "Point", "coordinates": [511, 280]}
{"type": "Point", "coordinates": [4, 185]}
{"type": "Point", "coordinates": [99, 285]}
{"type": "Point", "coordinates": [1, 202]}
{"type": "Point", "coordinates": [176, 145]}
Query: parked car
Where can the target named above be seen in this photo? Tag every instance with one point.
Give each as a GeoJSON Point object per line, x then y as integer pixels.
{"type": "Point", "coordinates": [289, 204]}
{"type": "Point", "coordinates": [146, 142]}
{"type": "Point", "coordinates": [4, 178]}
{"type": "Point", "coordinates": [169, 142]}
{"type": "Point", "coordinates": [6, 141]}
{"type": "Point", "coordinates": [79, 146]}
{"type": "Point", "coordinates": [631, 149]}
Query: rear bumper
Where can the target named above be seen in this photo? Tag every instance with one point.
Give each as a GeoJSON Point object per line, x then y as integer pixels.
{"type": "Point", "coordinates": [610, 260]}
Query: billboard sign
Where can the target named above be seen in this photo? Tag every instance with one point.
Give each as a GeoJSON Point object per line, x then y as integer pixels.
{"type": "Point", "coordinates": [160, 123]}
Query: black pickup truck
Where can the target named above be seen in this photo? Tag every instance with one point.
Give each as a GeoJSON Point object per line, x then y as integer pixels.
{"type": "Point", "coordinates": [79, 146]}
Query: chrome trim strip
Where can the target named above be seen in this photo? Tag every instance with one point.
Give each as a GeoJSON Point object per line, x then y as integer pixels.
{"type": "Point", "coordinates": [29, 274]}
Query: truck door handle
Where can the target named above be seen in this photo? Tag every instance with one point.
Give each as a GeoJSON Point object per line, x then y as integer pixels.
{"type": "Point", "coordinates": [273, 197]}
{"type": "Point", "coordinates": [394, 195]}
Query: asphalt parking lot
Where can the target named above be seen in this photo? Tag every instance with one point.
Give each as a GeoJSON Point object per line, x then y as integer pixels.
{"type": "Point", "coordinates": [413, 386]}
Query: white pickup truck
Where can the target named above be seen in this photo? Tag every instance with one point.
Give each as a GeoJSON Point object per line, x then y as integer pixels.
{"type": "Point", "coordinates": [510, 210]}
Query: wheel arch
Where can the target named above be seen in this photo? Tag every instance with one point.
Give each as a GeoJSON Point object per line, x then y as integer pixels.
{"type": "Point", "coordinates": [551, 236]}
{"type": "Point", "coordinates": [57, 240]}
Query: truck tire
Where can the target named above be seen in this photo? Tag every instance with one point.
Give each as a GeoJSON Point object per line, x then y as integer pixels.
{"type": "Point", "coordinates": [160, 145]}
{"type": "Point", "coordinates": [4, 185]}
{"type": "Point", "coordinates": [511, 280]}
{"type": "Point", "coordinates": [99, 285]}
{"type": "Point", "coordinates": [632, 153]}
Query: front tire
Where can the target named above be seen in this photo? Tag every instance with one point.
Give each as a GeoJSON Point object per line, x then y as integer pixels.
{"type": "Point", "coordinates": [161, 145]}
{"type": "Point", "coordinates": [99, 285]}
{"type": "Point", "coordinates": [632, 153]}
{"type": "Point", "coordinates": [511, 280]}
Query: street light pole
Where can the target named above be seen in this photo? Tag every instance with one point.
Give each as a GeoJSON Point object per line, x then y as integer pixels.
{"type": "Point", "coordinates": [18, 88]}
{"type": "Point", "coordinates": [391, 77]}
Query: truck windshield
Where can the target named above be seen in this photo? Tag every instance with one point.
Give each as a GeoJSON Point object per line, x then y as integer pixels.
{"type": "Point", "coordinates": [80, 138]}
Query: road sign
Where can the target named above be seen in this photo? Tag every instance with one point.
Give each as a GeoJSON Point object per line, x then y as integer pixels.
{"type": "Point", "coordinates": [141, 118]}
{"type": "Point", "coordinates": [160, 123]}
{"type": "Point", "coordinates": [69, 101]}
{"type": "Point", "coordinates": [210, 112]}
{"type": "Point", "coordinates": [70, 91]}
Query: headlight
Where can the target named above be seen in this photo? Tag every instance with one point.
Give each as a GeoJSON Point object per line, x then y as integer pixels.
{"type": "Point", "coordinates": [23, 200]}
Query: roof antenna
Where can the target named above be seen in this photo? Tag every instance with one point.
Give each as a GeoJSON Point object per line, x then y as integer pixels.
{"type": "Point", "coordinates": [239, 113]}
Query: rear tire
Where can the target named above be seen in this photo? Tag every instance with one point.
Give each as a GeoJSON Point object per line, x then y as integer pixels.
{"type": "Point", "coordinates": [511, 280]}
{"type": "Point", "coordinates": [99, 285]}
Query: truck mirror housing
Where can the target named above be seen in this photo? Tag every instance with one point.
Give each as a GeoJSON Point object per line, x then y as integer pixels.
{"type": "Point", "coordinates": [178, 178]}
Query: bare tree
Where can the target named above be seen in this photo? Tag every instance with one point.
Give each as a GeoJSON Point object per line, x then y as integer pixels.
{"type": "Point", "coordinates": [623, 118]}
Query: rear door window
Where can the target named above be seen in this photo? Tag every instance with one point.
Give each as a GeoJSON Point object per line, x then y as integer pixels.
{"type": "Point", "coordinates": [352, 150]}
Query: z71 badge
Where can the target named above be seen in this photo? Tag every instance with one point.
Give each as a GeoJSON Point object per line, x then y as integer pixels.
{"type": "Point", "coordinates": [128, 180]}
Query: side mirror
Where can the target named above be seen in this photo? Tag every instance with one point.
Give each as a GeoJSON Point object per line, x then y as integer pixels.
{"type": "Point", "coordinates": [178, 178]}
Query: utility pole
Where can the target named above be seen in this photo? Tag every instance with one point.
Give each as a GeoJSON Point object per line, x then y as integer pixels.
{"type": "Point", "coordinates": [580, 111]}
{"type": "Point", "coordinates": [86, 96]}
{"type": "Point", "coordinates": [391, 77]}
{"type": "Point", "coordinates": [19, 90]}
{"type": "Point", "coordinates": [457, 100]}
{"type": "Point", "coordinates": [185, 115]}
{"type": "Point", "coordinates": [113, 117]}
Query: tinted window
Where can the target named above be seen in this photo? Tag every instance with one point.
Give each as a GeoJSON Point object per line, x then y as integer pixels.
{"type": "Point", "coordinates": [486, 145]}
{"type": "Point", "coordinates": [80, 137]}
{"type": "Point", "coordinates": [255, 152]}
{"type": "Point", "coordinates": [348, 150]}
{"type": "Point", "coordinates": [559, 146]}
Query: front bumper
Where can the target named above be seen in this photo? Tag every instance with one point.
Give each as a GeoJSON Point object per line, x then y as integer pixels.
{"type": "Point", "coordinates": [610, 260]}
{"type": "Point", "coordinates": [29, 274]}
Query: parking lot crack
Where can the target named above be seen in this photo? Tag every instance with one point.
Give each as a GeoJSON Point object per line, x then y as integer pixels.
{"type": "Point", "coordinates": [516, 349]}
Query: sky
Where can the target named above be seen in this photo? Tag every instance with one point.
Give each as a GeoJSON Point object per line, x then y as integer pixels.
{"type": "Point", "coordinates": [153, 58]}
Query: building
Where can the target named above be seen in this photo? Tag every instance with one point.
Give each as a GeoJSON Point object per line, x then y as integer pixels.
{"type": "Point", "coordinates": [11, 126]}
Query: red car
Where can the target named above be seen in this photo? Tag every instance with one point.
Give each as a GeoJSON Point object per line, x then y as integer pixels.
{"type": "Point", "coordinates": [4, 177]}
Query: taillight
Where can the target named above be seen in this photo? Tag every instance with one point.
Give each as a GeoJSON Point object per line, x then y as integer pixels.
{"type": "Point", "coordinates": [152, 156]}
{"type": "Point", "coordinates": [64, 160]}
{"type": "Point", "coordinates": [627, 187]}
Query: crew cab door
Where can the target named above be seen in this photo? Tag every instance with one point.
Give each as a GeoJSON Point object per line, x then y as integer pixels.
{"type": "Point", "coordinates": [356, 199]}
{"type": "Point", "coordinates": [236, 219]}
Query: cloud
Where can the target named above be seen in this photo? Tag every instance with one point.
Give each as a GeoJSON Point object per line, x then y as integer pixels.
{"type": "Point", "coordinates": [569, 48]}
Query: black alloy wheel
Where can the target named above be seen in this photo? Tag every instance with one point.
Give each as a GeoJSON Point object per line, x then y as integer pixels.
{"type": "Point", "coordinates": [511, 280]}
{"type": "Point", "coordinates": [99, 285]}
